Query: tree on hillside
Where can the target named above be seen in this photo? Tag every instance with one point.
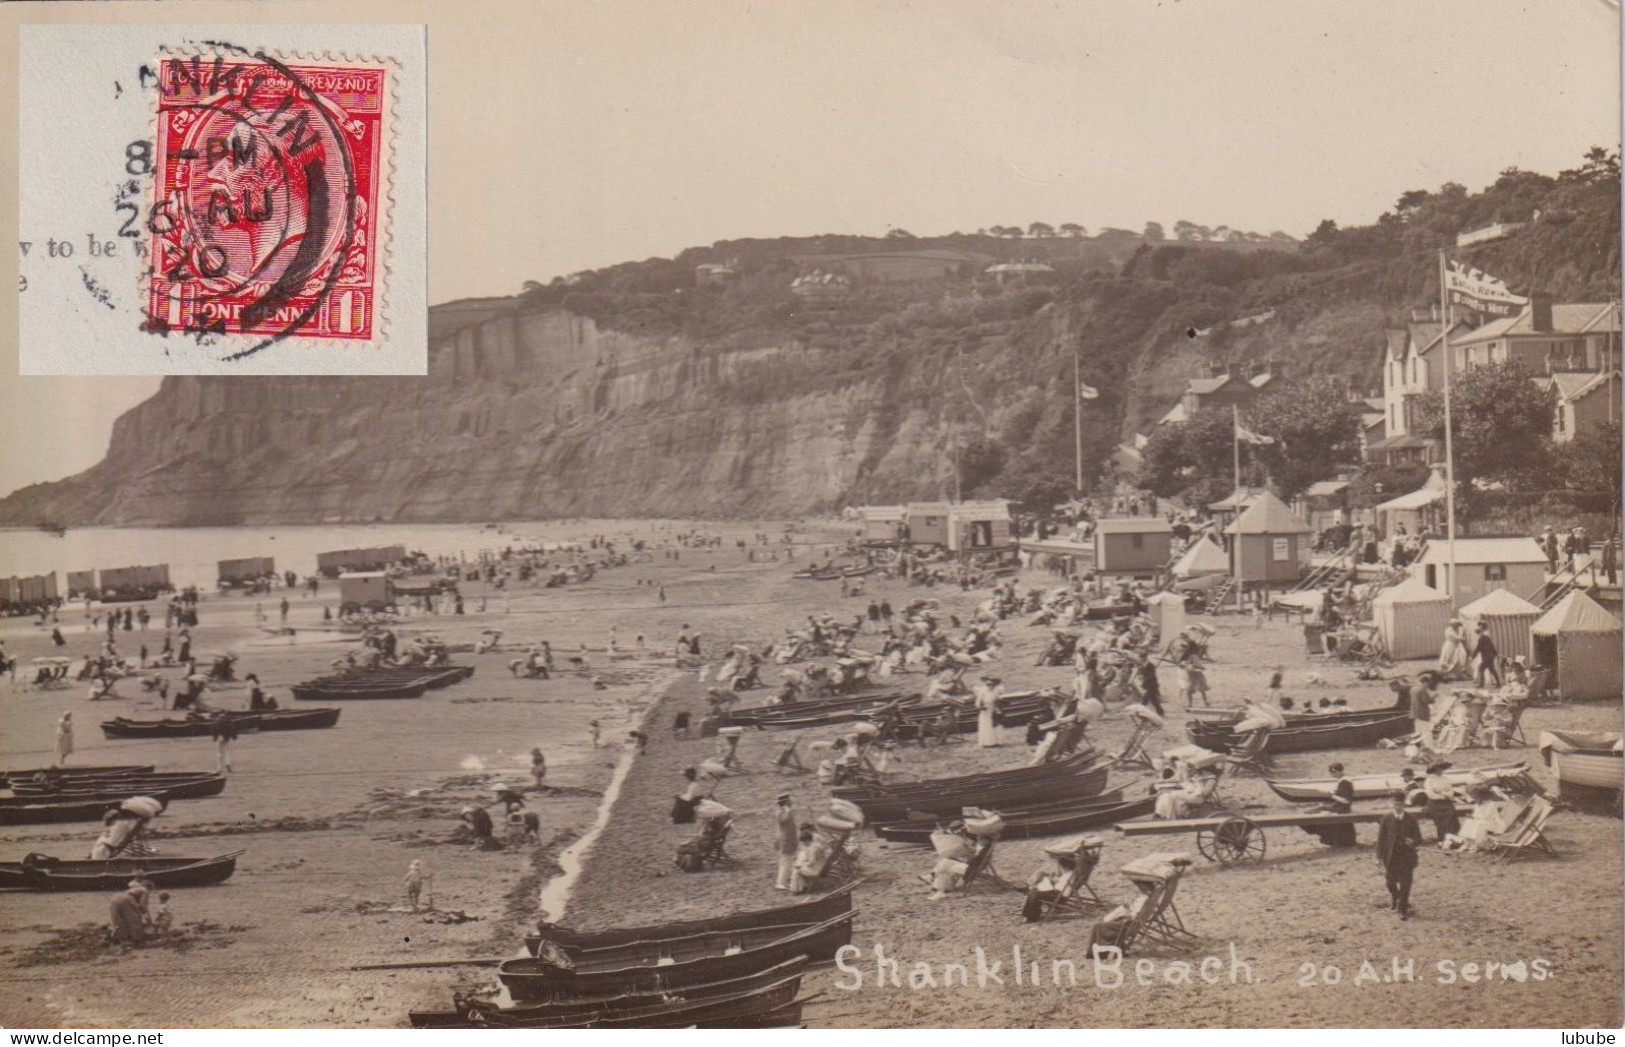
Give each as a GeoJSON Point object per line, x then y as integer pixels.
{"type": "Point", "coordinates": [1592, 462]}
{"type": "Point", "coordinates": [1501, 423]}
{"type": "Point", "coordinates": [1153, 231]}
{"type": "Point", "coordinates": [1315, 429]}
{"type": "Point", "coordinates": [1410, 201]}
{"type": "Point", "coordinates": [1040, 229]}
{"type": "Point", "coordinates": [1325, 234]}
{"type": "Point", "coordinates": [899, 234]}
{"type": "Point", "coordinates": [1189, 459]}
{"type": "Point", "coordinates": [1184, 230]}
{"type": "Point", "coordinates": [1073, 229]}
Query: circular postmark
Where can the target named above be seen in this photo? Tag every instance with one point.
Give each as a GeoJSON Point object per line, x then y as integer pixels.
{"type": "Point", "coordinates": [258, 197]}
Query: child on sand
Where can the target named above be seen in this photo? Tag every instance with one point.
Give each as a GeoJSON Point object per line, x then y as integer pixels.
{"type": "Point", "coordinates": [414, 883]}
{"type": "Point", "coordinates": [163, 919]}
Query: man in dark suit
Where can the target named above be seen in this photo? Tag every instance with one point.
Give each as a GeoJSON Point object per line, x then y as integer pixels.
{"type": "Point", "coordinates": [1398, 837]}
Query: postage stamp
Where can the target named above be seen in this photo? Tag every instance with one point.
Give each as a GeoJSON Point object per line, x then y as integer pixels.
{"type": "Point", "coordinates": [267, 211]}
{"type": "Point", "coordinates": [223, 200]}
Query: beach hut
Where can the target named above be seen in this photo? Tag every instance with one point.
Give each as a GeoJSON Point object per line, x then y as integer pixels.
{"type": "Point", "coordinates": [1133, 545]}
{"type": "Point", "coordinates": [1508, 617]}
{"type": "Point", "coordinates": [881, 523]}
{"type": "Point", "coordinates": [979, 526]}
{"type": "Point", "coordinates": [1269, 544]}
{"type": "Point", "coordinates": [927, 523]}
{"type": "Point", "coordinates": [81, 582]}
{"type": "Point", "coordinates": [1411, 618]}
{"type": "Point", "coordinates": [1483, 565]}
{"type": "Point", "coordinates": [1580, 640]}
{"type": "Point", "coordinates": [1167, 611]}
{"type": "Point", "coordinates": [1203, 557]}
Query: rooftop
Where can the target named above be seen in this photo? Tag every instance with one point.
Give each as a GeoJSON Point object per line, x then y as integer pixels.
{"type": "Point", "coordinates": [1268, 515]}
{"type": "Point", "coordinates": [1567, 318]}
{"type": "Point", "coordinates": [1485, 550]}
{"type": "Point", "coordinates": [1135, 525]}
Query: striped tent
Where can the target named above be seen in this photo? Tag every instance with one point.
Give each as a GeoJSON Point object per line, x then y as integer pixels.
{"type": "Point", "coordinates": [1507, 616]}
{"type": "Point", "coordinates": [1581, 641]}
{"type": "Point", "coordinates": [1411, 617]}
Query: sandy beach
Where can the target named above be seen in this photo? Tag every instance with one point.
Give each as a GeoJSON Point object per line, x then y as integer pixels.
{"type": "Point", "coordinates": [331, 820]}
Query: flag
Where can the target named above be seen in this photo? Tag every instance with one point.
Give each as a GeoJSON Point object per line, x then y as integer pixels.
{"type": "Point", "coordinates": [1247, 436]}
{"type": "Point", "coordinates": [1088, 392]}
{"type": "Point", "coordinates": [1480, 291]}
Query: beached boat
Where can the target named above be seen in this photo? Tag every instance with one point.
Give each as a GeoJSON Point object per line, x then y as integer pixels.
{"type": "Point", "coordinates": [43, 873]}
{"type": "Point", "coordinates": [1377, 786]}
{"type": "Point", "coordinates": [129, 784]}
{"type": "Point", "coordinates": [675, 965]}
{"type": "Point", "coordinates": [9, 778]}
{"type": "Point", "coordinates": [204, 726]}
{"type": "Point", "coordinates": [1054, 819]}
{"type": "Point", "coordinates": [759, 1000]}
{"type": "Point", "coordinates": [931, 786]}
{"type": "Point", "coordinates": [814, 910]}
{"type": "Point", "coordinates": [110, 793]}
{"type": "Point", "coordinates": [1072, 784]}
{"type": "Point", "coordinates": [490, 1013]}
{"type": "Point", "coordinates": [349, 692]}
{"type": "Point", "coordinates": [1354, 732]}
{"type": "Point", "coordinates": [1590, 766]}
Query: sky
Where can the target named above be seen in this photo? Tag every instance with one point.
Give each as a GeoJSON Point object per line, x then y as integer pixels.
{"type": "Point", "coordinates": [569, 136]}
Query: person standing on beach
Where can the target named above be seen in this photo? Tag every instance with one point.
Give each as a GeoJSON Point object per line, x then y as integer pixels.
{"type": "Point", "coordinates": [225, 732]}
{"type": "Point", "coordinates": [64, 738]}
{"type": "Point", "coordinates": [1398, 837]}
{"type": "Point", "coordinates": [784, 814]}
{"type": "Point", "coordinates": [595, 729]}
{"type": "Point", "coordinates": [538, 767]}
{"type": "Point", "coordinates": [414, 882]}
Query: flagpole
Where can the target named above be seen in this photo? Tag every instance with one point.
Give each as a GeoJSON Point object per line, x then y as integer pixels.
{"type": "Point", "coordinates": [1449, 445]}
{"type": "Point", "coordinates": [1235, 436]}
{"type": "Point", "coordinates": [1077, 422]}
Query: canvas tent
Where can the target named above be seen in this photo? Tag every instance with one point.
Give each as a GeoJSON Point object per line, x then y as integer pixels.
{"type": "Point", "coordinates": [1580, 641]}
{"type": "Point", "coordinates": [1203, 557]}
{"type": "Point", "coordinates": [1508, 618]}
{"type": "Point", "coordinates": [1411, 618]}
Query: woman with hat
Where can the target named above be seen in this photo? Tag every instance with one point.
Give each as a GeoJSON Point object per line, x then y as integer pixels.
{"type": "Point", "coordinates": [989, 690]}
{"type": "Point", "coordinates": [1441, 797]}
{"type": "Point", "coordinates": [64, 738]}
{"type": "Point", "coordinates": [129, 913]}
{"type": "Point", "coordinates": [1453, 651]}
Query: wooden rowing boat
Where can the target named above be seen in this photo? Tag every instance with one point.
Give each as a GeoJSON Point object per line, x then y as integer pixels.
{"type": "Point", "coordinates": [10, 778]}
{"type": "Point", "coordinates": [1073, 786]}
{"type": "Point", "coordinates": [1589, 766]}
{"type": "Point", "coordinates": [204, 726]}
{"type": "Point", "coordinates": [133, 782]}
{"type": "Point", "coordinates": [348, 692]}
{"type": "Point", "coordinates": [606, 1004]}
{"type": "Point", "coordinates": [110, 796]}
{"type": "Point", "coordinates": [714, 1010]}
{"type": "Point", "coordinates": [814, 910]}
{"type": "Point", "coordinates": [41, 873]}
{"type": "Point", "coordinates": [1376, 786]}
{"type": "Point", "coordinates": [932, 786]}
{"type": "Point", "coordinates": [1031, 823]}
{"type": "Point", "coordinates": [1354, 733]}
{"type": "Point", "coordinates": [690, 961]}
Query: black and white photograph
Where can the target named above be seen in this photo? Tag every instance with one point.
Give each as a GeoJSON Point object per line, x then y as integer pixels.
{"type": "Point", "coordinates": [811, 514]}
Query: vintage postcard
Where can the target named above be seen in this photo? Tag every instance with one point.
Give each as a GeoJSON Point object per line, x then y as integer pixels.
{"type": "Point", "coordinates": [823, 514]}
{"type": "Point", "coordinates": [197, 200]}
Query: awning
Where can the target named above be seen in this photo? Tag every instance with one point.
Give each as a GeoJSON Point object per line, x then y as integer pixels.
{"type": "Point", "coordinates": [1415, 500]}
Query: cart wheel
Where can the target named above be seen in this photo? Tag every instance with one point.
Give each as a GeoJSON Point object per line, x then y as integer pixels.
{"type": "Point", "coordinates": [1237, 840]}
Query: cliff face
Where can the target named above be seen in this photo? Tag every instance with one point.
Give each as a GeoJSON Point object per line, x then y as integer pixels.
{"type": "Point", "coordinates": [522, 416]}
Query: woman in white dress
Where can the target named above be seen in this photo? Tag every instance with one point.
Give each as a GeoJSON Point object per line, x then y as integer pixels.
{"type": "Point", "coordinates": [989, 689]}
{"type": "Point", "coordinates": [64, 738]}
{"type": "Point", "coordinates": [1453, 651]}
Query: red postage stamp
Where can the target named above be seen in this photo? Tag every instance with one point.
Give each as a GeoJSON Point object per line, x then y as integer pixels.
{"type": "Point", "coordinates": [271, 198]}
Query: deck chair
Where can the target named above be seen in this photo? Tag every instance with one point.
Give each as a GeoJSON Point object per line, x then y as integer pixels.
{"type": "Point", "coordinates": [1072, 893]}
{"type": "Point", "coordinates": [1252, 755]}
{"type": "Point", "coordinates": [839, 867]}
{"type": "Point", "coordinates": [1524, 836]}
{"type": "Point", "coordinates": [980, 873]}
{"type": "Point", "coordinates": [1133, 753]}
{"type": "Point", "coordinates": [788, 758]}
{"type": "Point", "coordinates": [708, 849]}
{"type": "Point", "coordinates": [1152, 918]}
